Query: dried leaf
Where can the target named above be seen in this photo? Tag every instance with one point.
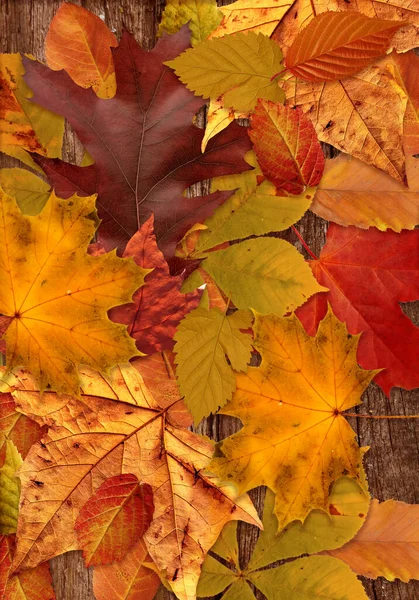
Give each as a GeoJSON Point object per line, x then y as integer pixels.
{"type": "Point", "coordinates": [405, 68]}
{"type": "Point", "coordinates": [9, 489]}
{"type": "Point", "coordinates": [203, 17]}
{"type": "Point", "coordinates": [20, 430]}
{"type": "Point", "coordinates": [30, 192]}
{"type": "Point", "coordinates": [259, 16]}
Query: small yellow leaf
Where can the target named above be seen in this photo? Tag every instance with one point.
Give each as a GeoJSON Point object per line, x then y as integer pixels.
{"type": "Point", "coordinates": [203, 17]}
{"type": "Point", "coordinates": [9, 490]}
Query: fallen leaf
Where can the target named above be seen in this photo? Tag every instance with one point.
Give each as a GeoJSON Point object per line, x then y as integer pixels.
{"type": "Point", "coordinates": [368, 273]}
{"type": "Point", "coordinates": [149, 154]}
{"type": "Point", "coordinates": [345, 115]}
{"type": "Point", "coordinates": [158, 306]}
{"type": "Point", "coordinates": [9, 489]}
{"type": "Point", "coordinates": [131, 433]}
{"type": "Point", "coordinates": [405, 68]}
{"type": "Point", "coordinates": [286, 145]}
{"type": "Point", "coordinates": [353, 193]}
{"type": "Point", "coordinates": [113, 519]}
{"type": "Point", "coordinates": [388, 543]}
{"type": "Point", "coordinates": [204, 341]}
{"type": "Point", "coordinates": [129, 579]}
{"type": "Point", "coordinates": [57, 296]}
{"type": "Point", "coordinates": [239, 67]}
{"type": "Point", "coordinates": [297, 395]}
{"type": "Point", "coordinates": [25, 126]}
{"type": "Point", "coordinates": [30, 192]}
{"type": "Point", "coordinates": [80, 43]}
{"type": "Point", "coordinates": [218, 118]}
{"type": "Point", "coordinates": [17, 428]}
{"type": "Point", "coordinates": [259, 16]}
{"type": "Point", "coordinates": [203, 17]}
{"type": "Point", "coordinates": [337, 45]}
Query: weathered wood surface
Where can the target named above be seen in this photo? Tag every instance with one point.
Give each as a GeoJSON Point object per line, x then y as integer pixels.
{"type": "Point", "coordinates": [392, 461]}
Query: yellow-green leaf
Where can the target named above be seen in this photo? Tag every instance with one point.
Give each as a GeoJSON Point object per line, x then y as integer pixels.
{"type": "Point", "coordinates": [239, 66]}
{"type": "Point", "coordinates": [203, 340]}
{"type": "Point", "coordinates": [203, 17]}
{"type": "Point", "coordinates": [9, 490]}
{"type": "Point", "coordinates": [266, 274]}
{"type": "Point", "coordinates": [30, 192]}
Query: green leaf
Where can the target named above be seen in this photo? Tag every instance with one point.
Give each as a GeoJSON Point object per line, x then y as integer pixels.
{"type": "Point", "coordinates": [309, 578]}
{"type": "Point", "coordinates": [203, 340]}
{"type": "Point", "coordinates": [215, 578]}
{"type": "Point", "coordinates": [265, 274]}
{"type": "Point", "coordinates": [30, 192]}
{"type": "Point", "coordinates": [227, 546]}
{"type": "Point", "coordinates": [203, 17]}
{"type": "Point", "coordinates": [9, 490]}
{"type": "Point", "coordinates": [239, 66]}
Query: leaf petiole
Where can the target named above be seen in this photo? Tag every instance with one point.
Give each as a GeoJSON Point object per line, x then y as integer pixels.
{"type": "Point", "coordinates": [298, 234]}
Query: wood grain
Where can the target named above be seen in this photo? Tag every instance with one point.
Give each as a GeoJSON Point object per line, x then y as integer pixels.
{"type": "Point", "coordinates": [392, 461]}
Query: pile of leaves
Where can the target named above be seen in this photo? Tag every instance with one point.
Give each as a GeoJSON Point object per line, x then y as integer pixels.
{"type": "Point", "coordinates": [132, 308]}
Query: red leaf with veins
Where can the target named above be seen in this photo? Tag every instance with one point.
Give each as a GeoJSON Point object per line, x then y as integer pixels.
{"type": "Point", "coordinates": [145, 147]}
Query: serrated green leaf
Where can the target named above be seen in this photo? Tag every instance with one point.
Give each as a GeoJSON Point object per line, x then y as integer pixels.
{"type": "Point", "coordinates": [9, 490]}
{"type": "Point", "coordinates": [308, 578]}
{"type": "Point", "coordinates": [30, 192]}
{"type": "Point", "coordinates": [203, 16]}
{"type": "Point", "coordinates": [203, 340]}
{"type": "Point", "coordinates": [265, 274]}
{"type": "Point", "coordinates": [239, 66]}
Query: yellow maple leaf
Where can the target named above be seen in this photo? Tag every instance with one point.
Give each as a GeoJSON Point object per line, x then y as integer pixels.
{"type": "Point", "coordinates": [57, 296]}
{"type": "Point", "coordinates": [295, 438]}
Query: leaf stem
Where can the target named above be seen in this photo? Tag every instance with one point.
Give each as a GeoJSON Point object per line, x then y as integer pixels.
{"type": "Point", "coordinates": [279, 73]}
{"type": "Point", "coordinates": [298, 234]}
{"type": "Point", "coordinates": [381, 416]}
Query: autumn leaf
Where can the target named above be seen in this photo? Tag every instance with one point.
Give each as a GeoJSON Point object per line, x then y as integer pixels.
{"type": "Point", "coordinates": [25, 126]}
{"type": "Point", "coordinates": [405, 68]}
{"type": "Point", "coordinates": [113, 519]}
{"type": "Point", "coordinates": [344, 114]}
{"type": "Point", "coordinates": [294, 438]}
{"type": "Point", "coordinates": [353, 193]}
{"type": "Point", "coordinates": [30, 192]}
{"type": "Point", "coordinates": [80, 43]}
{"type": "Point", "coordinates": [337, 45]}
{"type": "Point", "coordinates": [17, 428]}
{"type": "Point", "coordinates": [158, 305]}
{"type": "Point", "coordinates": [293, 580]}
{"type": "Point", "coordinates": [203, 17]}
{"type": "Point", "coordinates": [239, 67]}
{"type": "Point", "coordinates": [204, 341]}
{"type": "Point", "coordinates": [9, 489]}
{"type": "Point", "coordinates": [129, 579]}
{"type": "Point", "coordinates": [146, 156]}
{"type": "Point", "coordinates": [286, 145]}
{"type": "Point", "coordinates": [388, 543]}
{"type": "Point", "coordinates": [34, 584]}
{"type": "Point", "coordinates": [131, 433]}
{"type": "Point", "coordinates": [368, 274]}
{"type": "Point", "coordinates": [57, 296]}
{"type": "Point", "coordinates": [259, 16]}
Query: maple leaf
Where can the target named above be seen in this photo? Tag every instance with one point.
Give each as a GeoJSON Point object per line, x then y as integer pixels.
{"type": "Point", "coordinates": [203, 341]}
{"type": "Point", "coordinates": [388, 543]}
{"type": "Point", "coordinates": [130, 433]}
{"type": "Point", "coordinates": [297, 579]}
{"type": "Point", "coordinates": [344, 114]}
{"type": "Point", "coordinates": [25, 126]}
{"type": "Point", "coordinates": [130, 579]}
{"type": "Point", "coordinates": [30, 192]}
{"type": "Point", "coordinates": [368, 273]}
{"type": "Point", "coordinates": [203, 17]}
{"type": "Point", "coordinates": [285, 142]}
{"type": "Point", "coordinates": [145, 148]}
{"type": "Point", "coordinates": [259, 16]}
{"type": "Point", "coordinates": [80, 43]}
{"type": "Point", "coordinates": [57, 296]}
{"type": "Point", "coordinates": [353, 193]}
{"type": "Point", "coordinates": [113, 519]}
{"type": "Point", "coordinates": [158, 305]}
{"type": "Point", "coordinates": [34, 584]}
{"type": "Point", "coordinates": [296, 441]}
{"type": "Point", "coordinates": [239, 66]}
{"type": "Point", "coordinates": [9, 489]}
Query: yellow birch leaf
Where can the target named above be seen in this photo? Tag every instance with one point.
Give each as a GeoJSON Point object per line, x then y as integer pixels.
{"type": "Point", "coordinates": [203, 17]}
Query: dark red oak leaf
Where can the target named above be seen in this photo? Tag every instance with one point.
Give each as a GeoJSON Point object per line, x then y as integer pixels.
{"type": "Point", "coordinates": [145, 147]}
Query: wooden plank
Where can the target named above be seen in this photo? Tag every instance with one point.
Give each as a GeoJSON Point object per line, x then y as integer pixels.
{"type": "Point", "coordinates": [391, 463]}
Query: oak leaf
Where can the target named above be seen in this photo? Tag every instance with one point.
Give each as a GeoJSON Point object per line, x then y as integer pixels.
{"type": "Point", "coordinates": [203, 17]}
{"type": "Point", "coordinates": [80, 43]}
{"type": "Point", "coordinates": [239, 67]}
{"type": "Point", "coordinates": [204, 341]}
{"type": "Point", "coordinates": [286, 145]}
{"type": "Point", "coordinates": [259, 16]}
{"type": "Point", "coordinates": [113, 519]}
{"type": "Point", "coordinates": [354, 193]}
{"type": "Point", "coordinates": [150, 154]}
{"type": "Point", "coordinates": [30, 192]}
{"type": "Point", "coordinates": [388, 543]}
{"type": "Point", "coordinates": [368, 274]}
{"type": "Point", "coordinates": [294, 437]}
{"type": "Point", "coordinates": [344, 114]}
{"type": "Point", "coordinates": [158, 306]}
{"type": "Point", "coordinates": [337, 45]}
{"type": "Point", "coordinates": [9, 489]}
{"type": "Point", "coordinates": [57, 297]}
{"type": "Point", "coordinates": [130, 433]}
